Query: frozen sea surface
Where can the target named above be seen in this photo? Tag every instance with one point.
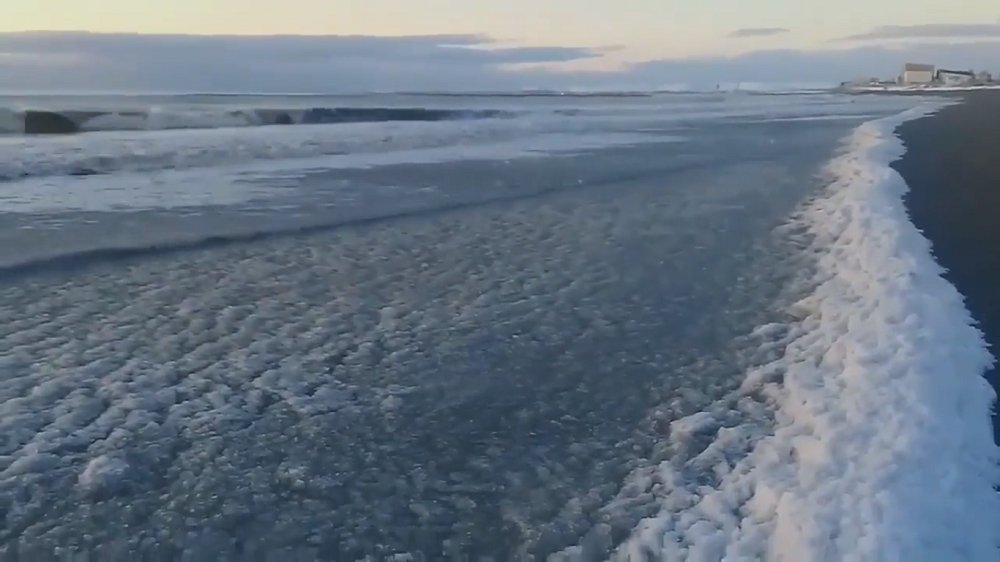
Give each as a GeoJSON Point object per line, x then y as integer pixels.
{"type": "Point", "coordinates": [517, 349]}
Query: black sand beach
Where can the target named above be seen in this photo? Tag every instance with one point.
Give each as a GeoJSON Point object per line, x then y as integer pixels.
{"type": "Point", "coordinates": [952, 166]}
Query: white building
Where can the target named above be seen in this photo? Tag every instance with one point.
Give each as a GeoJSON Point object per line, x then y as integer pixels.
{"type": "Point", "coordinates": [955, 77]}
{"type": "Point", "coordinates": [914, 74]}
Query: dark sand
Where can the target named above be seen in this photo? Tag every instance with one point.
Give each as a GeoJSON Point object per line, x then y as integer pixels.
{"type": "Point", "coordinates": [952, 166]}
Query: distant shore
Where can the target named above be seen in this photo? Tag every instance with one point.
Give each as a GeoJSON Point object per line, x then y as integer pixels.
{"type": "Point", "coordinates": [930, 91]}
{"type": "Point", "coordinates": [952, 166]}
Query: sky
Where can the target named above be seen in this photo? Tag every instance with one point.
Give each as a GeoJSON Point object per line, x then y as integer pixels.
{"type": "Point", "coordinates": [359, 45]}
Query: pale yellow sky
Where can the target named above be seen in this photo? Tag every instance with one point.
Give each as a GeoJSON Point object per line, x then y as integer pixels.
{"type": "Point", "coordinates": [644, 28]}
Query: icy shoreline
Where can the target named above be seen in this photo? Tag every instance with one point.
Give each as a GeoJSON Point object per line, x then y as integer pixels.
{"type": "Point", "coordinates": [882, 448]}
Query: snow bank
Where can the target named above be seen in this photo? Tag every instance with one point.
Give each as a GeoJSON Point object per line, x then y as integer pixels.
{"type": "Point", "coordinates": [882, 448]}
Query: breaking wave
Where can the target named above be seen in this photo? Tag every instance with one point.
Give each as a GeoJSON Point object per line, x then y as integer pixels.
{"type": "Point", "coordinates": [31, 121]}
{"type": "Point", "coordinates": [25, 157]}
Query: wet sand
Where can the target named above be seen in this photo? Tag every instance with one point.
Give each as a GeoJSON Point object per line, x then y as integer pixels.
{"type": "Point", "coordinates": [952, 166]}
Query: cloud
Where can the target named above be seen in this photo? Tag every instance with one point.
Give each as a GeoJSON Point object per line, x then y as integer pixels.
{"type": "Point", "coordinates": [759, 32]}
{"type": "Point", "coordinates": [829, 66]}
{"type": "Point", "coordinates": [82, 60]}
{"type": "Point", "coordinates": [930, 31]}
{"type": "Point", "coordinates": [459, 62]}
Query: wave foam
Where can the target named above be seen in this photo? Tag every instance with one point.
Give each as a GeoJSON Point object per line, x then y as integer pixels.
{"type": "Point", "coordinates": [882, 447]}
{"type": "Point", "coordinates": [111, 152]}
{"type": "Point", "coordinates": [11, 122]}
{"type": "Point", "coordinates": [156, 118]}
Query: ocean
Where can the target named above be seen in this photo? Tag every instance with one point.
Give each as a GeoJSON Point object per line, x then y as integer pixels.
{"type": "Point", "coordinates": [490, 327]}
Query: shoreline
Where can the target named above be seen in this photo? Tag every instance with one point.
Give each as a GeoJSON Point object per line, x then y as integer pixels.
{"type": "Point", "coordinates": [952, 168]}
{"type": "Point", "coordinates": [928, 91]}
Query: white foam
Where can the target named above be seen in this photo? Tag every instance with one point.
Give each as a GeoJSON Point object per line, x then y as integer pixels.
{"type": "Point", "coordinates": [882, 448]}
{"type": "Point", "coordinates": [233, 184]}
{"type": "Point", "coordinates": [157, 118]}
{"type": "Point", "coordinates": [11, 122]}
{"type": "Point", "coordinates": [147, 151]}
{"type": "Point", "coordinates": [103, 474]}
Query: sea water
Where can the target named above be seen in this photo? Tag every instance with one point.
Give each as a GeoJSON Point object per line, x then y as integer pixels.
{"type": "Point", "coordinates": [670, 326]}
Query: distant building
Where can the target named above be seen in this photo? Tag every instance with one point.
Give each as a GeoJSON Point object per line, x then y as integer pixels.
{"type": "Point", "coordinates": [914, 74]}
{"type": "Point", "coordinates": [955, 77]}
